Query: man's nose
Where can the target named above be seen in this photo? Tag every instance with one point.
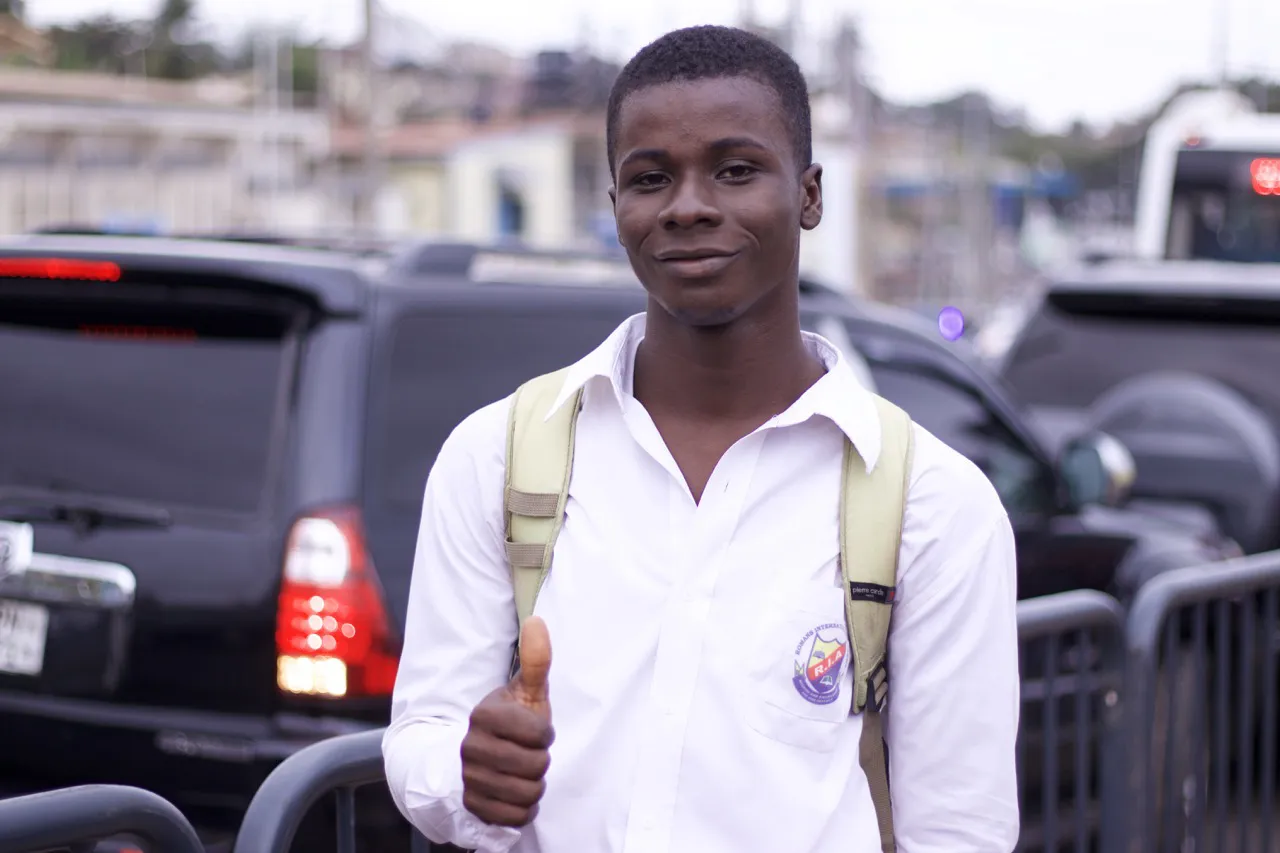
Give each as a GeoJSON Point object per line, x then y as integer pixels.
{"type": "Point", "coordinates": [692, 203]}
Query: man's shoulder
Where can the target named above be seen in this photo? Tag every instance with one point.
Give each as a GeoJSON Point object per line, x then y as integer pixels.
{"type": "Point", "coordinates": [479, 439]}
{"type": "Point", "coordinates": [948, 490]}
{"type": "Point", "coordinates": [954, 527]}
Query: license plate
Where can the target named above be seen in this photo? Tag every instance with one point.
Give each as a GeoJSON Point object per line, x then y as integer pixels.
{"type": "Point", "coordinates": [15, 547]}
{"type": "Point", "coordinates": [23, 629]}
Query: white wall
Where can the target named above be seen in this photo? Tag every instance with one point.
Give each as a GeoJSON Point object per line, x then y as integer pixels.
{"type": "Point", "coordinates": [187, 200]}
{"type": "Point", "coordinates": [830, 251]}
{"type": "Point", "coordinates": [215, 194]}
{"type": "Point", "coordinates": [540, 161]}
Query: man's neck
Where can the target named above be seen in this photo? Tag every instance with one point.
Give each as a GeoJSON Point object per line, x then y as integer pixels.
{"type": "Point", "coordinates": [751, 369]}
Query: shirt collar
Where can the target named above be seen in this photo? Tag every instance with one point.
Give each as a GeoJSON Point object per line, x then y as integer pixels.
{"type": "Point", "coordinates": [837, 396]}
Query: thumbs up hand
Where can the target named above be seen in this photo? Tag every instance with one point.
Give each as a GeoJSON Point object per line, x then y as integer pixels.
{"type": "Point", "coordinates": [505, 753]}
{"type": "Point", "coordinates": [529, 687]}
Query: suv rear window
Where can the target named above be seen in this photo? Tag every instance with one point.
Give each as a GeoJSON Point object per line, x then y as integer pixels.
{"type": "Point", "coordinates": [171, 402]}
{"type": "Point", "coordinates": [446, 363]}
{"type": "Point", "coordinates": [1077, 346]}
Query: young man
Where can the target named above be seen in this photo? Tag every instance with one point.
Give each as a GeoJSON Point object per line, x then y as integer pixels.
{"type": "Point", "coordinates": [699, 551]}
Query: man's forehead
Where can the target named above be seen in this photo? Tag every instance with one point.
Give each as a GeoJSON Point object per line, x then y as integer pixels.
{"type": "Point", "coordinates": [729, 90]}
{"type": "Point", "coordinates": [694, 107]}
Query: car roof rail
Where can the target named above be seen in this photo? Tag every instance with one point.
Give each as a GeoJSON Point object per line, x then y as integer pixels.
{"type": "Point", "coordinates": [75, 229]}
{"type": "Point", "coordinates": [810, 286]}
{"type": "Point", "coordinates": [345, 242]}
{"type": "Point", "coordinates": [348, 242]}
{"type": "Point", "coordinates": [514, 264]}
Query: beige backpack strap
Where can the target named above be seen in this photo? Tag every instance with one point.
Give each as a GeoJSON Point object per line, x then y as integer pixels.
{"type": "Point", "coordinates": [872, 505]}
{"type": "Point", "coordinates": [539, 463]}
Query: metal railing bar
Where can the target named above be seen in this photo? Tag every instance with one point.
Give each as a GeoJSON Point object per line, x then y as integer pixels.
{"type": "Point", "coordinates": [90, 813]}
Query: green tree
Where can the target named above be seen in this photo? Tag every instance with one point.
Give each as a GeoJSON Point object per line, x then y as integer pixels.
{"type": "Point", "coordinates": [306, 74]}
{"type": "Point", "coordinates": [176, 52]}
{"type": "Point", "coordinates": [303, 58]}
{"type": "Point", "coordinates": [99, 44]}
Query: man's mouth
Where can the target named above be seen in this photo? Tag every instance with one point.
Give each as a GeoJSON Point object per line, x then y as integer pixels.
{"type": "Point", "coordinates": [695, 263]}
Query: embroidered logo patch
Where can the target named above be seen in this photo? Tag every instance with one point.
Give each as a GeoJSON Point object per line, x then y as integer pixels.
{"type": "Point", "coordinates": [820, 660]}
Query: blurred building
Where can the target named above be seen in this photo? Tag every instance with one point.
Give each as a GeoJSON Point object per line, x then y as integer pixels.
{"type": "Point", "coordinates": [540, 180]}
{"type": "Point", "coordinates": [21, 45]}
{"type": "Point", "coordinates": [543, 184]}
{"type": "Point", "coordinates": [946, 213]}
{"type": "Point", "coordinates": [104, 150]}
{"type": "Point", "coordinates": [458, 81]}
{"type": "Point", "coordinates": [474, 143]}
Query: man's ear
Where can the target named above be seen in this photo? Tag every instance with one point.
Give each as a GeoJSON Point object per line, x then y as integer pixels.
{"type": "Point", "coordinates": [811, 204]}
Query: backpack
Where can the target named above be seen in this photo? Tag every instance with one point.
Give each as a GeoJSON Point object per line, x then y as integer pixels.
{"type": "Point", "coordinates": [539, 462]}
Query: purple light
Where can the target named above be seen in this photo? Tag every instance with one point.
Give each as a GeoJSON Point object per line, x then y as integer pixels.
{"type": "Point", "coordinates": [951, 323]}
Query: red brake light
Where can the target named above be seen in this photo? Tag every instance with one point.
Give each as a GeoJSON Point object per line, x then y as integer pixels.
{"type": "Point", "coordinates": [137, 333]}
{"type": "Point", "coordinates": [333, 636]}
{"type": "Point", "coordinates": [1265, 174]}
{"type": "Point", "coordinates": [59, 268]}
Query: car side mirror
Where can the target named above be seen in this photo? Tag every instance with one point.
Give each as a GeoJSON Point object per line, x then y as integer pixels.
{"type": "Point", "coordinates": [1098, 469]}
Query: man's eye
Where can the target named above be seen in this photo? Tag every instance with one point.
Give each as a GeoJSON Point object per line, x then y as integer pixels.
{"type": "Point", "coordinates": [648, 180]}
{"type": "Point", "coordinates": [737, 172]}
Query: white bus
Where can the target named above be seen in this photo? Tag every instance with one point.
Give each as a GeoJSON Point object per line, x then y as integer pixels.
{"type": "Point", "coordinates": [1209, 187]}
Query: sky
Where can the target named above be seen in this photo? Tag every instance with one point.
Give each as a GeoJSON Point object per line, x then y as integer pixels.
{"type": "Point", "coordinates": [1058, 60]}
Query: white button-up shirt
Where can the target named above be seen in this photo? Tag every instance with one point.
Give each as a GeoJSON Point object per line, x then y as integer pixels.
{"type": "Point", "coordinates": [676, 628]}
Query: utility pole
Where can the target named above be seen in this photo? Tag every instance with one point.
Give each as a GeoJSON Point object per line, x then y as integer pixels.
{"type": "Point", "coordinates": [976, 282]}
{"type": "Point", "coordinates": [1222, 40]}
{"type": "Point", "coordinates": [371, 177]}
{"type": "Point", "coordinates": [273, 112]}
{"type": "Point", "coordinates": [848, 49]}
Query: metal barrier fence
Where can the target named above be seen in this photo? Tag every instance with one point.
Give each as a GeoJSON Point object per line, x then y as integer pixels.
{"type": "Point", "coordinates": [1148, 733]}
{"type": "Point", "coordinates": [1069, 647]}
{"type": "Point", "coordinates": [72, 817]}
{"type": "Point", "coordinates": [339, 765]}
{"type": "Point", "coordinates": [1200, 684]}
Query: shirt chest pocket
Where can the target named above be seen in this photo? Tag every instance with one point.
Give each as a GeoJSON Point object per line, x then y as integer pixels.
{"type": "Point", "coordinates": [799, 689]}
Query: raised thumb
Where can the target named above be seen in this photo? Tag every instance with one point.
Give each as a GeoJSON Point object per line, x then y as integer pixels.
{"type": "Point", "coordinates": [535, 663]}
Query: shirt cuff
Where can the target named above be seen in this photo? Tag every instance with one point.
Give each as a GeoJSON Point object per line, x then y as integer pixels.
{"type": "Point", "coordinates": [475, 834]}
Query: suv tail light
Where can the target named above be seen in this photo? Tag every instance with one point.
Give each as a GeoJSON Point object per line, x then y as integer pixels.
{"type": "Point", "coordinates": [333, 637]}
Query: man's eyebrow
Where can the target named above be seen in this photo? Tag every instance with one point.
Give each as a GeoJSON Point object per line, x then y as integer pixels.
{"type": "Point", "coordinates": [738, 142]}
{"type": "Point", "coordinates": [724, 144]}
{"type": "Point", "coordinates": [643, 154]}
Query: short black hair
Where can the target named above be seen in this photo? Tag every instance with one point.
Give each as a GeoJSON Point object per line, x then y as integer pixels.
{"type": "Point", "coordinates": [706, 52]}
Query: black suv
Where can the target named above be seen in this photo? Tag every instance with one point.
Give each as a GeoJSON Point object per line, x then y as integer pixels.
{"type": "Point", "coordinates": [1176, 360]}
{"type": "Point", "coordinates": [212, 458]}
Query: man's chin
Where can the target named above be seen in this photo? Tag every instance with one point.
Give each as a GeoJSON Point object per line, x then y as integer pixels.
{"type": "Point", "coordinates": [700, 313]}
{"type": "Point", "coordinates": [707, 318]}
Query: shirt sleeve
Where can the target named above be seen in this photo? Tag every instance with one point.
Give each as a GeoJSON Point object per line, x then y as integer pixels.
{"type": "Point", "coordinates": [459, 636]}
{"type": "Point", "coordinates": [954, 691]}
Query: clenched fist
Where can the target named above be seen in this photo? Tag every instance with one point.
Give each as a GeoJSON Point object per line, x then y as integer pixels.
{"type": "Point", "coordinates": [505, 753]}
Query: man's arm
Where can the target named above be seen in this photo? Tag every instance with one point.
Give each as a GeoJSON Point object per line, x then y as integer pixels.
{"type": "Point", "coordinates": [954, 688]}
{"type": "Point", "coordinates": [459, 634]}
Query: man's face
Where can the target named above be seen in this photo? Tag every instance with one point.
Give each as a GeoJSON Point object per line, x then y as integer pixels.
{"type": "Point", "coordinates": [708, 196]}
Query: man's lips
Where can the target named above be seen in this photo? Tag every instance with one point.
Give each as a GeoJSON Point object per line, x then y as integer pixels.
{"type": "Point", "coordinates": [695, 263]}
{"type": "Point", "coordinates": [692, 254]}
